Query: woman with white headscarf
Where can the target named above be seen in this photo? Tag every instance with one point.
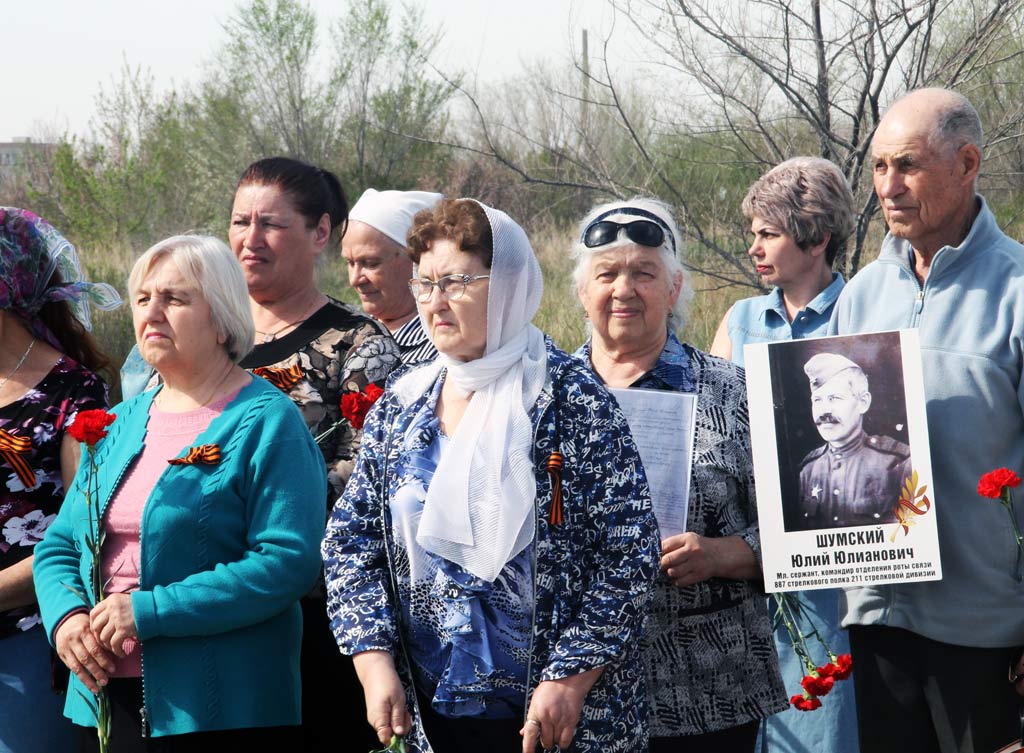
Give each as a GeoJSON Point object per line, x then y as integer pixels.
{"type": "Point", "coordinates": [490, 561]}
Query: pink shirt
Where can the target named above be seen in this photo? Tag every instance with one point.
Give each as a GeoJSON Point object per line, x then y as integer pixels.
{"type": "Point", "coordinates": [167, 436]}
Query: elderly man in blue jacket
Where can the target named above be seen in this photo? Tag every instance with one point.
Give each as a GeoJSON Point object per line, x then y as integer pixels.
{"type": "Point", "coordinates": [931, 659]}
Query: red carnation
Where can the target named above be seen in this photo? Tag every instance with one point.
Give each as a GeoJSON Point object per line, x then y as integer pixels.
{"type": "Point", "coordinates": [844, 666]}
{"type": "Point", "coordinates": [827, 670]}
{"type": "Point", "coordinates": [90, 426]}
{"type": "Point", "coordinates": [355, 405]}
{"type": "Point", "coordinates": [816, 685]}
{"type": "Point", "coordinates": [992, 483]}
{"type": "Point", "coordinates": [805, 703]}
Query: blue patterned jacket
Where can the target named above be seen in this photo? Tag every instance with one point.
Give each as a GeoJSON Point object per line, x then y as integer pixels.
{"type": "Point", "coordinates": [593, 573]}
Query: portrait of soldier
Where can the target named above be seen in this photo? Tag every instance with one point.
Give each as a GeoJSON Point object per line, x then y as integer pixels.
{"type": "Point", "coordinates": [853, 479]}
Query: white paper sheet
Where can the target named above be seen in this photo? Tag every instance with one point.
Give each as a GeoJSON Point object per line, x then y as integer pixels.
{"type": "Point", "coordinates": [663, 424]}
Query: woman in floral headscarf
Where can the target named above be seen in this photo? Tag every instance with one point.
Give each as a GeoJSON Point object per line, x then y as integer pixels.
{"type": "Point", "coordinates": [48, 365]}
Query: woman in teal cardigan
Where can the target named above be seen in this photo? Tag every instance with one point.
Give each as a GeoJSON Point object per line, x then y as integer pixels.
{"type": "Point", "coordinates": [198, 634]}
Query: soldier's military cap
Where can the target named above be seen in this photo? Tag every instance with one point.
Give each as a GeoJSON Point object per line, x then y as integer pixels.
{"type": "Point", "coordinates": [823, 366]}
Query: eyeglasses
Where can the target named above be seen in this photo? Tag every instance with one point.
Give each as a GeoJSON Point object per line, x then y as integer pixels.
{"type": "Point", "coordinates": [452, 287]}
{"type": "Point", "coordinates": [646, 232]}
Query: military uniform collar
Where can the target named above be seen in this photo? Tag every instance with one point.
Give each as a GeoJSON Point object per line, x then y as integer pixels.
{"type": "Point", "coordinates": [852, 446]}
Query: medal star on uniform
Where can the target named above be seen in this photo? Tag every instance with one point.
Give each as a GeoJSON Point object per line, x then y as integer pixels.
{"type": "Point", "coordinates": [815, 491]}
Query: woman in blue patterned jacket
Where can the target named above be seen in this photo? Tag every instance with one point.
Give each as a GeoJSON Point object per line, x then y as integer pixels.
{"type": "Point", "coordinates": [711, 667]}
{"type": "Point", "coordinates": [490, 562]}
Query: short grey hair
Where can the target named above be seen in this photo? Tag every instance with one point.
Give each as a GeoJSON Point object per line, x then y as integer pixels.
{"type": "Point", "coordinates": [211, 269]}
{"type": "Point", "coordinates": [956, 121]}
{"type": "Point", "coordinates": [672, 260]}
{"type": "Point", "coordinates": [957, 125]}
{"type": "Point", "coordinates": [807, 197]}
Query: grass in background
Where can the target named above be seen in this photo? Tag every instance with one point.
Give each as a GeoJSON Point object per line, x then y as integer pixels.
{"type": "Point", "coordinates": [560, 315]}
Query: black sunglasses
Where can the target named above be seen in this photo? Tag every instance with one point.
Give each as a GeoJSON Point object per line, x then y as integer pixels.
{"type": "Point", "coordinates": [646, 232]}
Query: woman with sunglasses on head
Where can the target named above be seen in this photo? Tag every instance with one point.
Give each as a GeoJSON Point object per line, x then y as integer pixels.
{"type": "Point", "coordinates": [711, 669]}
{"type": "Point", "coordinates": [489, 564]}
{"type": "Point", "coordinates": [801, 215]}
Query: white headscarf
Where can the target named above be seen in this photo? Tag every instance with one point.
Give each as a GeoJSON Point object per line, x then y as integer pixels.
{"type": "Point", "coordinates": [479, 511]}
{"type": "Point", "coordinates": [391, 212]}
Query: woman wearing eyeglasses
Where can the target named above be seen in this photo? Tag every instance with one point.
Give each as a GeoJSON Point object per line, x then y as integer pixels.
{"type": "Point", "coordinates": [711, 669]}
{"type": "Point", "coordinates": [489, 564]}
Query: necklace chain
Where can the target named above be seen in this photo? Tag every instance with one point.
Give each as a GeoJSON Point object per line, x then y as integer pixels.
{"type": "Point", "coordinates": [20, 362]}
{"type": "Point", "coordinates": [272, 335]}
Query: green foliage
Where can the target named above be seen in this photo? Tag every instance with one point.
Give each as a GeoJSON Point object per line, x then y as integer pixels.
{"type": "Point", "coordinates": [126, 185]}
{"type": "Point", "coordinates": [269, 75]}
{"type": "Point", "coordinates": [156, 165]}
{"type": "Point", "coordinates": [396, 115]}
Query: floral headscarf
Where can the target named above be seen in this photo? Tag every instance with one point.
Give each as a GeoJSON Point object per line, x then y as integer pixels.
{"type": "Point", "coordinates": [30, 251]}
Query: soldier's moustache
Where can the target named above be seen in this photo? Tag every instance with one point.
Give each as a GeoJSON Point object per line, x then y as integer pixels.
{"type": "Point", "coordinates": [826, 418]}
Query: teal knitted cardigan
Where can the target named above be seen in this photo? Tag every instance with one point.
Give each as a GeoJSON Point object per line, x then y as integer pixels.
{"type": "Point", "coordinates": [226, 552]}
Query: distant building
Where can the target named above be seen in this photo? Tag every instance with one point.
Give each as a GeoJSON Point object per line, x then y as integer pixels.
{"type": "Point", "coordinates": [12, 153]}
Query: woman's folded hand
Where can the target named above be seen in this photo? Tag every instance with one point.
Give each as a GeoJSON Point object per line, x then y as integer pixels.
{"type": "Point", "coordinates": [81, 652]}
{"type": "Point", "coordinates": [555, 711]}
{"type": "Point", "coordinates": [113, 622]}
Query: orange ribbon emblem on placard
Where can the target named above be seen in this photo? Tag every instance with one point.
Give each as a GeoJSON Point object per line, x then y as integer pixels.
{"type": "Point", "coordinates": [913, 502]}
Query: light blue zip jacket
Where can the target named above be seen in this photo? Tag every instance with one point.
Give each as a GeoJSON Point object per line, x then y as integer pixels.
{"type": "Point", "coordinates": [227, 550]}
{"type": "Point", "coordinates": [970, 317]}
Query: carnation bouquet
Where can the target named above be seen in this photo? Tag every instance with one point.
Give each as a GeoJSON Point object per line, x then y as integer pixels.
{"type": "Point", "coordinates": [820, 678]}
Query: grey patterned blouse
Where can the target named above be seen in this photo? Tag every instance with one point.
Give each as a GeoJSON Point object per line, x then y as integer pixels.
{"type": "Point", "coordinates": [708, 652]}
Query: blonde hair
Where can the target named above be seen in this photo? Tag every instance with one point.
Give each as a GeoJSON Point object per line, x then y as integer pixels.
{"type": "Point", "coordinates": [211, 269]}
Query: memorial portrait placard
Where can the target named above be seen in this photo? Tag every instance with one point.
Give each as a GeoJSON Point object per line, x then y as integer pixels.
{"type": "Point", "coordinates": [842, 464]}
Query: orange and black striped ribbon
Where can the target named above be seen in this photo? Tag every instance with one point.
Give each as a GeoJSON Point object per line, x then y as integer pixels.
{"type": "Point", "coordinates": [206, 454]}
{"type": "Point", "coordinates": [283, 379]}
{"type": "Point", "coordinates": [11, 449]}
{"type": "Point", "coordinates": [905, 511]}
{"type": "Point", "coordinates": [556, 515]}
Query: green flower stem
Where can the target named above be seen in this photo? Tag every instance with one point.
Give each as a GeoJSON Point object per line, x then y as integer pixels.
{"type": "Point", "coordinates": [95, 544]}
{"type": "Point", "coordinates": [1006, 497]}
{"type": "Point", "coordinates": [821, 640]}
{"type": "Point", "coordinates": [397, 745]}
{"type": "Point", "coordinates": [792, 624]}
{"type": "Point", "coordinates": [321, 437]}
{"type": "Point", "coordinates": [1007, 501]}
